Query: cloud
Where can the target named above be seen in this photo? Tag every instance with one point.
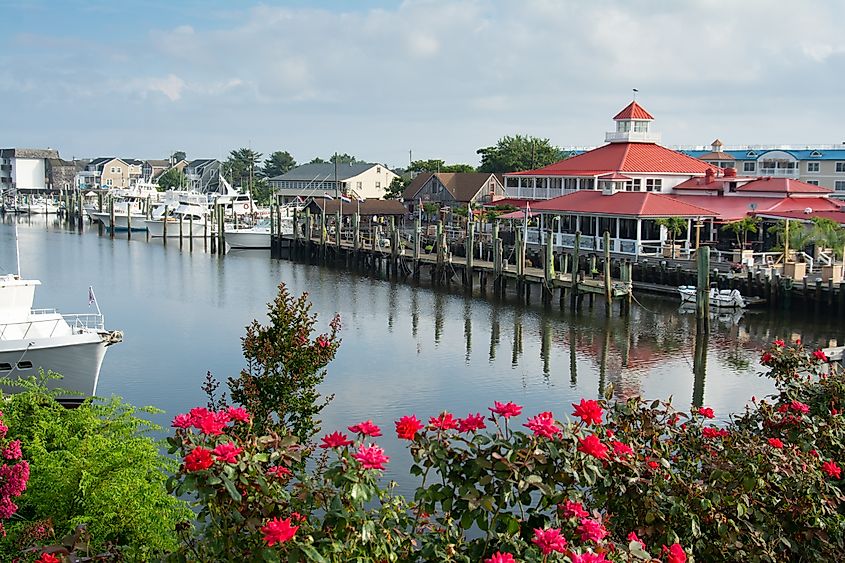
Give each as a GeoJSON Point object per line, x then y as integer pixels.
{"type": "Point", "coordinates": [171, 86]}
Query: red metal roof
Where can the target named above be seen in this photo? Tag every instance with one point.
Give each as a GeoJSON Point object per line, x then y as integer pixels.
{"type": "Point", "coordinates": [633, 111]}
{"type": "Point", "coordinates": [614, 176]}
{"type": "Point", "coordinates": [630, 204]}
{"type": "Point", "coordinates": [838, 216]}
{"type": "Point", "coordinates": [625, 158]}
{"type": "Point", "coordinates": [513, 201]}
{"type": "Point", "coordinates": [734, 208]}
{"type": "Point", "coordinates": [782, 185]}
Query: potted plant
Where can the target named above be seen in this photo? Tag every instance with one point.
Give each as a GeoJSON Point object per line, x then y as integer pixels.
{"type": "Point", "coordinates": [741, 229]}
{"type": "Point", "coordinates": [674, 226]}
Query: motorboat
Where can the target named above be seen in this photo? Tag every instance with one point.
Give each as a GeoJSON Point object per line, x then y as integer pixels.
{"type": "Point", "coordinates": [43, 339]}
{"type": "Point", "coordinates": [722, 298]}
{"type": "Point", "coordinates": [187, 217]}
{"type": "Point", "coordinates": [256, 236]}
{"type": "Point", "coordinates": [39, 206]}
{"type": "Point", "coordinates": [128, 215]}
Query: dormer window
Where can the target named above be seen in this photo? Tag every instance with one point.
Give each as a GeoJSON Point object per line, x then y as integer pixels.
{"type": "Point", "coordinates": [815, 154]}
{"type": "Point", "coordinates": [751, 154]}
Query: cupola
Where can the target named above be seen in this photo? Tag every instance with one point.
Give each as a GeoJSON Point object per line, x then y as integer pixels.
{"type": "Point", "coordinates": [632, 126]}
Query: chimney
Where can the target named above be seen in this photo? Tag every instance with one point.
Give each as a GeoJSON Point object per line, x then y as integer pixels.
{"type": "Point", "coordinates": [708, 176]}
{"type": "Point", "coordinates": [730, 172]}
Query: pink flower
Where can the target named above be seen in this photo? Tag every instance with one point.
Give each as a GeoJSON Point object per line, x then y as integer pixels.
{"type": "Point", "coordinates": [198, 459]}
{"type": "Point", "coordinates": [500, 557]}
{"type": "Point", "coordinates": [182, 421]}
{"type": "Point", "coordinates": [279, 472]}
{"type": "Point", "coordinates": [371, 457]}
{"type": "Point", "coordinates": [620, 449]}
{"type": "Point", "coordinates": [322, 342]}
{"type": "Point", "coordinates": [239, 414]}
{"type": "Point", "coordinates": [588, 411]}
{"type": "Point", "coordinates": [335, 440]}
{"type": "Point", "coordinates": [367, 428]}
{"type": "Point", "coordinates": [407, 427]}
{"type": "Point", "coordinates": [706, 412]}
{"type": "Point", "coordinates": [543, 425]}
{"type": "Point", "coordinates": [779, 343]}
{"type": "Point", "coordinates": [675, 554]}
{"type": "Point", "coordinates": [13, 450]}
{"type": "Point", "coordinates": [549, 540]}
{"type": "Point", "coordinates": [820, 355]}
{"type": "Point", "coordinates": [832, 469]}
{"type": "Point", "coordinates": [505, 410]}
{"type": "Point", "coordinates": [445, 421]}
{"type": "Point", "coordinates": [471, 423]}
{"type": "Point", "coordinates": [591, 445]}
{"type": "Point", "coordinates": [798, 406]}
{"type": "Point", "coordinates": [588, 557]}
{"type": "Point", "coordinates": [775, 443]}
{"type": "Point", "coordinates": [591, 529]}
{"type": "Point", "coordinates": [227, 452]}
{"type": "Point", "coordinates": [572, 509]}
{"type": "Point", "coordinates": [633, 537]}
{"type": "Point", "coordinates": [278, 531]}
{"type": "Point", "coordinates": [211, 423]}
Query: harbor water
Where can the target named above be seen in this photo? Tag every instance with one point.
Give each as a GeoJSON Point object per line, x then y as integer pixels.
{"type": "Point", "coordinates": [405, 349]}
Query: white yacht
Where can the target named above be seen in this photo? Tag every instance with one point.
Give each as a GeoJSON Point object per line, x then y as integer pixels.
{"type": "Point", "coordinates": [33, 339]}
{"type": "Point", "coordinates": [185, 213]}
{"type": "Point", "coordinates": [128, 214]}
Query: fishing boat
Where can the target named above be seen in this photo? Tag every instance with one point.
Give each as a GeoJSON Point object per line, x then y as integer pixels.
{"type": "Point", "coordinates": [182, 214]}
{"type": "Point", "coordinates": [724, 298]}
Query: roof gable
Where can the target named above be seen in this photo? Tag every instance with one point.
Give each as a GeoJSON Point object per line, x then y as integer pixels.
{"type": "Point", "coordinates": [411, 190]}
{"type": "Point", "coordinates": [633, 111]}
{"type": "Point", "coordinates": [782, 185]}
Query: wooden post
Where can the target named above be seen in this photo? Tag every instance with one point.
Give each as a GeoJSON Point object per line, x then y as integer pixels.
{"type": "Point", "coordinates": [80, 212]}
{"type": "Point", "coordinates": [181, 229]}
{"type": "Point", "coordinates": [338, 230]}
{"type": "Point", "coordinates": [128, 220]}
{"type": "Point", "coordinates": [520, 255]}
{"type": "Point", "coordinates": [191, 231]}
{"type": "Point", "coordinates": [702, 297]}
{"type": "Point", "coordinates": [356, 233]}
{"type": "Point", "coordinates": [469, 249]}
{"type": "Point", "coordinates": [576, 261]}
{"type": "Point", "coordinates": [111, 216]}
{"type": "Point", "coordinates": [608, 286]}
{"type": "Point", "coordinates": [417, 232]}
{"type": "Point", "coordinates": [549, 261]}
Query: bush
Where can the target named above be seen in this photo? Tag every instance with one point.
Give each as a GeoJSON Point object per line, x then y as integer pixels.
{"type": "Point", "coordinates": [95, 465]}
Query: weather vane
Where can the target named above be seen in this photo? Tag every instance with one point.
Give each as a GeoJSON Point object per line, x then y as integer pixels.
{"type": "Point", "coordinates": [635, 93]}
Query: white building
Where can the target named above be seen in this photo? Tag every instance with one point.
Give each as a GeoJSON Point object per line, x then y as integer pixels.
{"type": "Point", "coordinates": [25, 169]}
{"type": "Point", "coordinates": [360, 180]}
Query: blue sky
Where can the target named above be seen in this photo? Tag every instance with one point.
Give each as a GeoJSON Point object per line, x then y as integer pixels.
{"type": "Point", "coordinates": [438, 77]}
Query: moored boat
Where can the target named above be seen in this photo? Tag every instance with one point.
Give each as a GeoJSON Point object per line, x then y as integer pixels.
{"type": "Point", "coordinates": [724, 298]}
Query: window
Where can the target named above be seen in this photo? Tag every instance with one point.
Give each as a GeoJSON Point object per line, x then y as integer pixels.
{"type": "Point", "coordinates": [641, 126]}
{"type": "Point", "coordinates": [118, 170]}
{"type": "Point", "coordinates": [378, 186]}
{"type": "Point", "coordinates": [378, 169]}
{"type": "Point", "coordinates": [839, 186]}
{"type": "Point", "coordinates": [109, 182]}
{"type": "Point", "coordinates": [358, 186]}
{"type": "Point", "coordinates": [654, 185]}
{"type": "Point", "coordinates": [751, 154]}
{"type": "Point", "coordinates": [813, 182]}
{"type": "Point", "coordinates": [25, 364]}
{"type": "Point", "coordinates": [570, 183]}
{"type": "Point", "coordinates": [840, 167]}
{"type": "Point", "coordinates": [112, 169]}
{"type": "Point", "coordinates": [5, 367]}
{"type": "Point", "coordinates": [633, 185]}
{"type": "Point", "coordinates": [749, 166]}
{"type": "Point", "coordinates": [812, 167]}
{"type": "Point", "coordinates": [815, 154]}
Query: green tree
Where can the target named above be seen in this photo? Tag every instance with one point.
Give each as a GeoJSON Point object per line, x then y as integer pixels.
{"type": "Point", "coordinates": [461, 168]}
{"type": "Point", "coordinates": [317, 160]}
{"type": "Point", "coordinates": [675, 226]}
{"type": "Point", "coordinates": [827, 233]}
{"type": "Point", "coordinates": [513, 154]}
{"type": "Point", "coordinates": [396, 187]}
{"type": "Point", "coordinates": [177, 156]}
{"type": "Point", "coordinates": [344, 159]}
{"type": "Point", "coordinates": [741, 229]}
{"type": "Point", "coordinates": [437, 165]}
{"type": "Point", "coordinates": [173, 179]}
{"type": "Point", "coordinates": [241, 167]}
{"type": "Point", "coordinates": [261, 191]}
{"type": "Point", "coordinates": [277, 164]}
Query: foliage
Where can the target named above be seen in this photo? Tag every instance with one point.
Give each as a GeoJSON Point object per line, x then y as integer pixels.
{"type": "Point", "coordinates": [262, 193]}
{"type": "Point", "coordinates": [397, 186]}
{"type": "Point", "coordinates": [437, 165]}
{"type": "Point", "coordinates": [828, 233]}
{"type": "Point", "coordinates": [799, 236]}
{"type": "Point", "coordinates": [344, 159]}
{"type": "Point", "coordinates": [741, 229]}
{"type": "Point", "coordinates": [493, 213]}
{"type": "Point", "coordinates": [178, 156]}
{"type": "Point", "coordinates": [172, 179]}
{"type": "Point", "coordinates": [285, 366]}
{"type": "Point", "coordinates": [241, 167]}
{"type": "Point", "coordinates": [431, 210]}
{"type": "Point", "coordinates": [277, 164]}
{"type": "Point", "coordinates": [513, 154]}
{"type": "Point", "coordinates": [317, 160]}
{"type": "Point", "coordinates": [95, 465]}
{"type": "Point", "coordinates": [675, 226]}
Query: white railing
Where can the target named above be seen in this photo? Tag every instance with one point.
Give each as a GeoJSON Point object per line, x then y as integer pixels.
{"type": "Point", "coordinates": [642, 136]}
{"type": "Point", "coordinates": [87, 321]}
{"type": "Point", "coordinates": [779, 172]}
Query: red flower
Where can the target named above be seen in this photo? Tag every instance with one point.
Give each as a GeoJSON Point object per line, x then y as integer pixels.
{"type": "Point", "coordinates": [445, 421]}
{"type": "Point", "coordinates": [238, 413]}
{"type": "Point", "coordinates": [506, 410]}
{"type": "Point", "coordinates": [814, 453]}
{"type": "Point", "coordinates": [775, 443]}
{"type": "Point", "coordinates": [13, 450]}
{"type": "Point", "coordinates": [675, 554]}
{"type": "Point", "coordinates": [182, 421]}
{"type": "Point", "coordinates": [591, 530]}
{"type": "Point", "coordinates": [779, 343]}
{"type": "Point", "coordinates": [278, 531]}
{"type": "Point", "coordinates": [500, 557]}
{"type": "Point", "coordinates": [713, 432]}
{"type": "Point", "coordinates": [48, 558]}
{"type": "Point", "coordinates": [407, 427]}
{"type": "Point", "coordinates": [633, 537]}
{"type": "Point", "coordinates": [367, 428]}
{"type": "Point", "coordinates": [211, 423]}
{"type": "Point", "coordinates": [706, 412]}
{"type": "Point", "coordinates": [198, 459]}
{"type": "Point", "coordinates": [278, 471]}
{"type": "Point", "coordinates": [335, 440]}
{"type": "Point", "coordinates": [572, 509]}
{"type": "Point", "coordinates": [620, 449]}
{"type": "Point", "coordinates": [588, 557]}
{"type": "Point", "coordinates": [820, 355]}
{"type": "Point", "coordinates": [798, 406]}
{"type": "Point", "coordinates": [543, 425]}
{"type": "Point", "coordinates": [653, 464]}
{"type": "Point", "coordinates": [549, 540]}
{"type": "Point", "coordinates": [227, 453]}
{"type": "Point", "coordinates": [371, 457]}
{"type": "Point", "coordinates": [832, 469]}
{"type": "Point", "coordinates": [766, 358]}
{"type": "Point", "coordinates": [588, 411]}
{"type": "Point", "coordinates": [471, 423]}
{"type": "Point", "coordinates": [591, 445]}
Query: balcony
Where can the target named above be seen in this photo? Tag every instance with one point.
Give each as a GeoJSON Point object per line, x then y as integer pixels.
{"type": "Point", "coordinates": [631, 137]}
{"type": "Point", "coordinates": [779, 172]}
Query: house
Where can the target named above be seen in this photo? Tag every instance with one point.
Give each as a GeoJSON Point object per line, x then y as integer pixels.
{"type": "Point", "coordinates": [204, 175]}
{"type": "Point", "coordinates": [455, 189]}
{"type": "Point", "coordinates": [360, 180]}
{"type": "Point", "coordinates": [631, 150]}
{"type": "Point", "coordinates": [152, 169]}
{"type": "Point", "coordinates": [25, 169]}
{"type": "Point", "coordinates": [109, 172]}
{"type": "Point", "coordinates": [61, 174]}
{"type": "Point", "coordinates": [366, 208]}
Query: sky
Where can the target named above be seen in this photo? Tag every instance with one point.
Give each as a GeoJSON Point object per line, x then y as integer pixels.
{"type": "Point", "coordinates": [388, 81]}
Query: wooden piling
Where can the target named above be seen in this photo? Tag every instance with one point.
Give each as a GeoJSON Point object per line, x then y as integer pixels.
{"type": "Point", "coordinates": [702, 298]}
{"type": "Point", "coordinates": [608, 283]}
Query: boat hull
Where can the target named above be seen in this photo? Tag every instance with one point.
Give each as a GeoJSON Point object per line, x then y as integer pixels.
{"type": "Point", "coordinates": [156, 228]}
{"type": "Point", "coordinates": [725, 299]}
{"type": "Point", "coordinates": [121, 222]}
{"type": "Point", "coordinates": [248, 239]}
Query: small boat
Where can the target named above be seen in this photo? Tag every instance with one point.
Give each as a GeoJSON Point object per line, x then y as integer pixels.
{"type": "Point", "coordinates": [724, 298]}
{"type": "Point", "coordinates": [257, 236]}
{"type": "Point", "coordinates": [43, 339]}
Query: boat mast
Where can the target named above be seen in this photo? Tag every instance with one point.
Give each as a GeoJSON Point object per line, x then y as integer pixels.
{"type": "Point", "coordinates": [17, 250]}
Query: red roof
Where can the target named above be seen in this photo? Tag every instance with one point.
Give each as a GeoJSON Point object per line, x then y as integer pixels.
{"type": "Point", "coordinates": [633, 111]}
{"type": "Point", "coordinates": [838, 216]}
{"type": "Point", "coordinates": [631, 204]}
{"type": "Point", "coordinates": [614, 176]}
{"type": "Point", "coordinates": [625, 158]}
{"type": "Point", "coordinates": [782, 185]}
{"type": "Point", "coordinates": [512, 201]}
{"type": "Point", "coordinates": [734, 208]}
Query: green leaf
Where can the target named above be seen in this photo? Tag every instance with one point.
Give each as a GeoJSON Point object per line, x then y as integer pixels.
{"type": "Point", "coordinates": [312, 554]}
{"type": "Point", "coordinates": [230, 487]}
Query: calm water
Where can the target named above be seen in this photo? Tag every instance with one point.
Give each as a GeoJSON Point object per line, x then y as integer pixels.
{"type": "Point", "coordinates": [405, 350]}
